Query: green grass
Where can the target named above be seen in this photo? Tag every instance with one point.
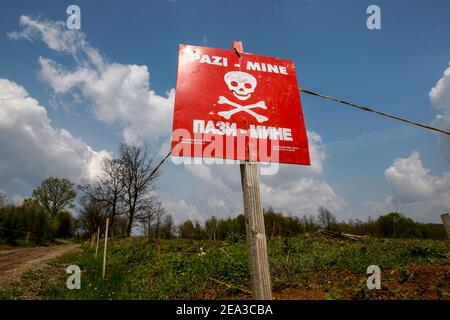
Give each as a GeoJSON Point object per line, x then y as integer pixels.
{"type": "Point", "coordinates": [11, 293]}
{"type": "Point", "coordinates": [133, 271]}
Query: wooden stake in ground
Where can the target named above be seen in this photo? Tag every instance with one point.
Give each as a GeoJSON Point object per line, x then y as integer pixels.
{"type": "Point", "coordinates": [446, 222]}
{"type": "Point", "coordinates": [158, 251]}
{"type": "Point", "coordinates": [106, 245]}
{"type": "Point", "coordinates": [28, 236]}
{"type": "Point", "coordinates": [98, 237]}
{"type": "Point", "coordinates": [254, 224]}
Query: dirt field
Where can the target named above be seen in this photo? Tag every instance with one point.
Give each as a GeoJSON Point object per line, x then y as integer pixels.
{"type": "Point", "coordinates": [311, 269]}
{"type": "Point", "coordinates": [15, 261]}
{"type": "Point", "coordinates": [423, 282]}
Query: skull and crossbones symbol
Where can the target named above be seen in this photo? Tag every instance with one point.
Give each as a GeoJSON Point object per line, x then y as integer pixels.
{"type": "Point", "coordinates": [242, 85]}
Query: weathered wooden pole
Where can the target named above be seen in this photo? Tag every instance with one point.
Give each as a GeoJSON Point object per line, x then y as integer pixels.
{"type": "Point", "coordinates": [106, 245]}
{"type": "Point", "coordinates": [98, 237]}
{"type": "Point", "coordinates": [446, 222]}
{"type": "Point", "coordinates": [254, 224]}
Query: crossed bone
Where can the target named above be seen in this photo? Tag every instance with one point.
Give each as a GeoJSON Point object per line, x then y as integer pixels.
{"type": "Point", "coordinates": [238, 108]}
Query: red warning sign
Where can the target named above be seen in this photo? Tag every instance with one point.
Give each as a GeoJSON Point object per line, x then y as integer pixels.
{"type": "Point", "coordinates": [237, 106]}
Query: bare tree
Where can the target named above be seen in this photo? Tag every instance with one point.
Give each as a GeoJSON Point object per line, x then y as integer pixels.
{"type": "Point", "coordinates": [2, 199]}
{"type": "Point", "coordinates": [326, 219]}
{"type": "Point", "coordinates": [108, 189]}
{"type": "Point", "coordinates": [125, 187]}
{"type": "Point", "coordinates": [137, 179]}
{"type": "Point", "coordinates": [168, 227]}
{"type": "Point", "coordinates": [146, 216]}
{"type": "Point", "coordinates": [211, 228]}
{"type": "Point", "coordinates": [158, 218]}
{"type": "Point", "coordinates": [92, 215]}
{"type": "Point", "coordinates": [112, 184]}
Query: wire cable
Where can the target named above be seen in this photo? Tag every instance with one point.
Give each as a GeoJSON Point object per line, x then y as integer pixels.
{"type": "Point", "coordinates": [155, 170]}
{"type": "Point", "coordinates": [374, 111]}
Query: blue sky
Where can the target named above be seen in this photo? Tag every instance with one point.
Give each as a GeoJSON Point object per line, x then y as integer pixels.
{"type": "Point", "coordinates": [365, 164]}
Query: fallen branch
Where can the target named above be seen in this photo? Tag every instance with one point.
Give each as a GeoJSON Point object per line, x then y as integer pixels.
{"type": "Point", "coordinates": [340, 235]}
{"type": "Point", "coordinates": [230, 286]}
{"type": "Point", "coordinates": [225, 253]}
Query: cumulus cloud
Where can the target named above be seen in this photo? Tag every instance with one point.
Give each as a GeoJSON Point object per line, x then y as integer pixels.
{"type": "Point", "coordinates": [58, 38]}
{"type": "Point", "coordinates": [303, 196]}
{"type": "Point", "coordinates": [32, 148]}
{"type": "Point", "coordinates": [294, 189]}
{"type": "Point", "coordinates": [373, 209]}
{"type": "Point", "coordinates": [181, 210]}
{"type": "Point", "coordinates": [205, 173]}
{"type": "Point", "coordinates": [217, 206]}
{"type": "Point", "coordinates": [298, 189]}
{"type": "Point", "coordinates": [415, 190]}
{"type": "Point", "coordinates": [118, 93]}
{"type": "Point", "coordinates": [440, 98]}
{"type": "Point", "coordinates": [289, 173]}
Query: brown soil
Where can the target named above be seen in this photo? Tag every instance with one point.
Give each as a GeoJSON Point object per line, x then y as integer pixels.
{"type": "Point", "coordinates": [15, 261]}
{"type": "Point", "coordinates": [416, 282]}
{"type": "Point", "coordinates": [412, 282]}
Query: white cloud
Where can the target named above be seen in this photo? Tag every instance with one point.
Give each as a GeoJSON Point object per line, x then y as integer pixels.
{"type": "Point", "coordinates": [415, 190]}
{"type": "Point", "coordinates": [373, 209]}
{"type": "Point", "coordinates": [298, 189]}
{"type": "Point", "coordinates": [205, 173]}
{"type": "Point", "coordinates": [58, 38]}
{"type": "Point", "coordinates": [119, 93]}
{"type": "Point", "coordinates": [31, 149]}
{"type": "Point", "coordinates": [218, 206]}
{"type": "Point", "coordinates": [294, 188]}
{"type": "Point", "coordinates": [181, 210]}
{"type": "Point", "coordinates": [289, 173]}
{"type": "Point", "coordinates": [61, 80]}
{"type": "Point", "coordinates": [440, 98]}
{"type": "Point", "coordinates": [440, 93]}
{"type": "Point", "coordinates": [301, 197]}
{"type": "Point", "coordinates": [220, 174]}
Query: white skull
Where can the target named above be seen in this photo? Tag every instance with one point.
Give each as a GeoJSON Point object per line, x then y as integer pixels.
{"type": "Point", "coordinates": [242, 84]}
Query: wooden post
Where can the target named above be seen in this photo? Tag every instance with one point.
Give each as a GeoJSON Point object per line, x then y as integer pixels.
{"type": "Point", "coordinates": [106, 245]}
{"type": "Point", "coordinates": [158, 251]}
{"type": "Point", "coordinates": [254, 224]}
{"type": "Point", "coordinates": [98, 237]}
{"type": "Point", "coordinates": [446, 222]}
{"type": "Point", "coordinates": [28, 236]}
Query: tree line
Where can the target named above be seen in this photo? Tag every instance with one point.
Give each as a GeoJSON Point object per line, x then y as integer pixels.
{"type": "Point", "coordinates": [124, 192]}
{"type": "Point", "coordinates": [40, 218]}
{"type": "Point", "coordinates": [278, 225]}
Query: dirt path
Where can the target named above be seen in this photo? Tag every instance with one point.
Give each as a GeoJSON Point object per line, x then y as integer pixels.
{"type": "Point", "coordinates": [15, 261]}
